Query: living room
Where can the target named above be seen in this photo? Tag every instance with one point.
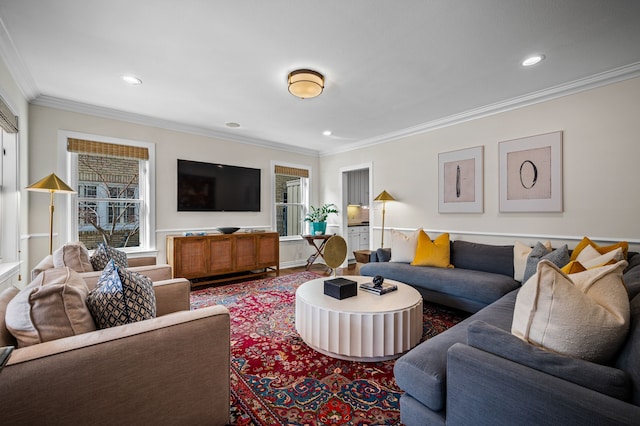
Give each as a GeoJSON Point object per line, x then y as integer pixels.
{"type": "Point", "coordinates": [596, 113]}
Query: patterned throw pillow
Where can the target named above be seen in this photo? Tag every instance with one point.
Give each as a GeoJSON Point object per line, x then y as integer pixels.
{"type": "Point", "coordinates": [103, 254]}
{"type": "Point", "coordinates": [121, 297]}
{"type": "Point", "coordinates": [558, 257]}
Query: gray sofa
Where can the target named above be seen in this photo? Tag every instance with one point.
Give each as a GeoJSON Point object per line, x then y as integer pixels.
{"type": "Point", "coordinates": [478, 373]}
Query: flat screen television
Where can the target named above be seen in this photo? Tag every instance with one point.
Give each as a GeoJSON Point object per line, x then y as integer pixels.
{"type": "Point", "coordinates": [217, 187]}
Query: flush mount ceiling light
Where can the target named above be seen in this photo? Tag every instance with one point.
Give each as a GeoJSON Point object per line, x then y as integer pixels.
{"type": "Point", "coordinates": [532, 60]}
{"type": "Point", "coordinates": [131, 79]}
{"type": "Point", "coordinates": [305, 83]}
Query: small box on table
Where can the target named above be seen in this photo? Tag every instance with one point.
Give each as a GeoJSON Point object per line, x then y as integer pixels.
{"type": "Point", "coordinates": [340, 288]}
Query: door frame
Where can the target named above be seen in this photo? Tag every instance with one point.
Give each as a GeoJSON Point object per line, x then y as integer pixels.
{"type": "Point", "coordinates": [344, 185]}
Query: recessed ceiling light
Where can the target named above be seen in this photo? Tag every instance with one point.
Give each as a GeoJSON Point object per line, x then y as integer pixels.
{"type": "Point", "coordinates": [532, 60]}
{"type": "Point", "coordinates": [131, 79]}
{"type": "Point", "coordinates": [232, 124]}
{"type": "Point", "coordinates": [327, 133]}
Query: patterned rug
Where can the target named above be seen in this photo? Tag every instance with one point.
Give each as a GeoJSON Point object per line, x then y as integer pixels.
{"type": "Point", "coordinates": [276, 379]}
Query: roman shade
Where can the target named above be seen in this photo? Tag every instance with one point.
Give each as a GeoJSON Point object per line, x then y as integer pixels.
{"type": "Point", "coordinates": [106, 149]}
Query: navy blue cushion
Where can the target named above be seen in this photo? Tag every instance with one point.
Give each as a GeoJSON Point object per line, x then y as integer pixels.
{"type": "Point", "coordinates": [383, 254]}
{"type": "Point", "coordinates": [482, 257]}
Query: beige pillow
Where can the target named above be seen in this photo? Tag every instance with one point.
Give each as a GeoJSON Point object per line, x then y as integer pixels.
{"type": "Point", "coordinates": [589, 257]}
{"type": "Point", "coordinates": [403, 246]}
{"type": "Point", "coordinates": [585, 315]}
{"type": "Point", "coordinates": [50, 307]}
{"type": "Point", "coordinates": [520, 254]}
{"type": "Point", "coordinates": [74, 255]}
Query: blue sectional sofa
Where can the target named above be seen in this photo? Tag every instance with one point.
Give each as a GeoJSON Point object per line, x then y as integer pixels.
{"type": "Point", "coordinates": [478, 373]}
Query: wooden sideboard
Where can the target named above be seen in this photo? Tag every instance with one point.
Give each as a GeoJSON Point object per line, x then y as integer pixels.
{"type": "Point", "coordinates": [223, 257]}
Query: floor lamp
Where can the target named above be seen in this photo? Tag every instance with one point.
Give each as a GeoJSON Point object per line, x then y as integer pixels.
{"type": "Point", "coordinates": [50, 184]}
{"type": "Point", "coordinates": [384, 196]}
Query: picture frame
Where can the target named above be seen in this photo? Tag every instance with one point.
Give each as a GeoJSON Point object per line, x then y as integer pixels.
{"type": "Point", "coordinates": [531, 174]}
{"type": "Point", "coordinates": [460, 181]}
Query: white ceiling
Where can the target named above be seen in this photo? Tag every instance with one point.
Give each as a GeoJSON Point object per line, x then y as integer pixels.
{"type": "Point", "coordinates": [392, 68]}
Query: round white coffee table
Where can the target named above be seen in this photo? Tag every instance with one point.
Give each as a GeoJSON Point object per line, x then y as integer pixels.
{"type": "Point", "coordinates": [366, 327]}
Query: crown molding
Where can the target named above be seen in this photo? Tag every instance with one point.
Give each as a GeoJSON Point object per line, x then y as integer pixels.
{"type": "Point", "coordinates": [98, 111]}
{"type": "Point", "coordinates": [598, 80]}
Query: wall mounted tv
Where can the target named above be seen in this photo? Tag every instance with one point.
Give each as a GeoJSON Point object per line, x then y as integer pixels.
{"type": "Point", "coordinates": [217, 187]}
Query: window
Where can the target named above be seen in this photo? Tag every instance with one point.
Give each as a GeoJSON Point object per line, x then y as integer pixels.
{"type": "Point", "coordinates": [291, 191]}
{"type": "Point", "coordinates": [9, 192]}
{"type": "Point", "coordinates": [113, 183]}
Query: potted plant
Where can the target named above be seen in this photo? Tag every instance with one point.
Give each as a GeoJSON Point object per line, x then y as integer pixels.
{"type": "Point", "coordinates": [318, 218]}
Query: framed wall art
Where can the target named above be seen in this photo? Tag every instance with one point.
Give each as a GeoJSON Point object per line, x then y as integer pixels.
{"type": "Point", "coordinates": [460, 181]}
{"type": "Point", "coordinates": [531, 174]}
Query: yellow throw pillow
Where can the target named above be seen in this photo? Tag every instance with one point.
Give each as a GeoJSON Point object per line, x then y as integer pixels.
{"type": "Point", "coordinates": [573, 267]}
{"type": "Point", "coordinates": [601, 249]}
{"type": "Point", "coordinates": [432, 253]}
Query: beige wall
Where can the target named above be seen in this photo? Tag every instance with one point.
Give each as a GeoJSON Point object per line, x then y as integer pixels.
{"type": "Point", "coordinates": [601, 171]}
{"type": "Point", "coordinates": [170, 145]}
{"type": "Point", "coordinates": [601, 152]}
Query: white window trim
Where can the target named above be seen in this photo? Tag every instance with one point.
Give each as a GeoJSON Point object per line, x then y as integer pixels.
{"type": "Point", "coordinates": [306, 195]}
{"type": "Point", "coordinates": [68, 224]}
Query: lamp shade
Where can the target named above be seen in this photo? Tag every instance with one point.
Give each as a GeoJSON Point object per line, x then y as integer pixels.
{"type": "Point", "coordinates": [384, 196]}
{"type": "Point", "coordinates": [51, 183]}
{"type": "Point", "coordinates": [305, 83]}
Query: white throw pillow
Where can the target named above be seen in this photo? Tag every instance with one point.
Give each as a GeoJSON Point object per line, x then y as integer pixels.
{"type": "Point", "coordinates": [585, 315]}
{"type": "Point", "coordinates": [403, 246]}
{"type": "Point", "coordinates": [590, 257]}
{"type": "Point", "coordinates": [520, 254]}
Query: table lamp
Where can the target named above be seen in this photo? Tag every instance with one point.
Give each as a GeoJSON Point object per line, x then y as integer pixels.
{"type": "Point", "coordinates": [384, 196]}
{"type": "Point", "coordinates": [50, 184]}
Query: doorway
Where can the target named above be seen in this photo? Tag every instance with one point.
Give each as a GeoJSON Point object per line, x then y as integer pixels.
{"type": "Point", "coordinates": [355, 210]}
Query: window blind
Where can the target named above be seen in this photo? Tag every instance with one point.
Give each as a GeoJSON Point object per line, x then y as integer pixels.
{"type": "Point", "coordinates": [291, 171]}
{"type": "Point", "coordinates": [105, 149]}
{"type": "Point", "coordinates": [8, 121]}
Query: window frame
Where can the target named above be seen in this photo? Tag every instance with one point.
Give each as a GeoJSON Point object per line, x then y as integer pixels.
{"type": "Point", "coordinates": [306, 196]}
{"type": "Point", "coordinates": [69, 215]}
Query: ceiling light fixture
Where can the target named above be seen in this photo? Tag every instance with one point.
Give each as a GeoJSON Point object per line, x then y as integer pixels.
{"type": "Point", "coordinates": [305, 83]}
{"type": "Point", "coordinates": [327, 133]}
{"type": "Point", "coordinates": [131, 79]}
{"type": "Point", "coordinates": [232, 124]}
{"type": "Point", "coordinates": [532, 60]}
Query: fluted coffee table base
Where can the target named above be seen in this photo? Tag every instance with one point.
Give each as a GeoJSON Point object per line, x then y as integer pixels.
{"type": "Point", "coordinates": [367, 327]}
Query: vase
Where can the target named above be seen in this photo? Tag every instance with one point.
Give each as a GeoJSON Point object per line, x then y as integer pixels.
{"type": "Point", "coordinates": [318, 228]}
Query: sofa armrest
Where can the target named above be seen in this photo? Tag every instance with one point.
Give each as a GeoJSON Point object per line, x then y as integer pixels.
{"type": "Point", "coordinates": [172, 296]}
{"type": "Point", "coordinates": [155, 272]}
{"type": "Point", "coordinates": [150, 372]}
{"type": "Point", "coordinates": [483, 388]}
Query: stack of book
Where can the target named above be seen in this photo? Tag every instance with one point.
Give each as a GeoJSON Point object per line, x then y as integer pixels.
{"type": "Point", "coordinates": [384, 289]}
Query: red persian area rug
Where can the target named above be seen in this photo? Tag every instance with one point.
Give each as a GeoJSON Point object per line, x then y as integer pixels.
{"type": "Point", "coordinates": [276, 379]}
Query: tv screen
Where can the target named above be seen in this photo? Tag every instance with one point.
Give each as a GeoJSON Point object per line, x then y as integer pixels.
{"type": "Point", "coordinates": [217, 187]}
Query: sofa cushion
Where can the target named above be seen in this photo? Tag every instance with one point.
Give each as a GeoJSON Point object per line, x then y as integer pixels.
{"type": "Point", "coordinates": [74, 255]}
{"type": "Point", "coordinates": [627, 359]}
{"type": "Point", "coordinates": [611, 381]}
{"type": "Point", "coordinates": [432, 253]}
{"type": "Point", "coordinates": [558, 257]}
{"type": "Point", "coordinates": [482, 257]}
{"type": "Point", "coordinates": [631, 275]}
{"type": "Point", "coordinates": [383, 254]}
{"type": "Point", "coordinates": [403, 246]}
{"type": "Point", "coordinates": [6, 338]}
{"type": "Point", "coordinates": [103, 254]}
{"type": "Point", "coordinates": [585, 315]}
{"type": "Point", "coordinates": [422, 372]}
{"type": "Point", "coordinates": [601, 249]}
{"type": "Point", "coordinates": [478, 286]}
{"type": "Point", "coordinates": [50, 307]}
{"type": "Point", "coordinates": [121, 297]}
{"type": "Point", "coordinates": [521, 253]}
